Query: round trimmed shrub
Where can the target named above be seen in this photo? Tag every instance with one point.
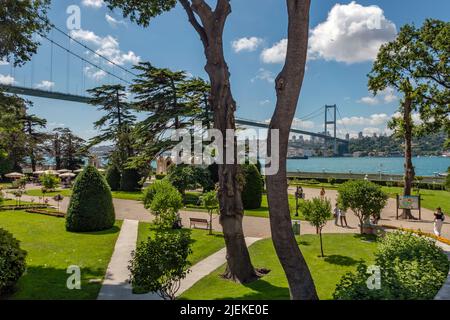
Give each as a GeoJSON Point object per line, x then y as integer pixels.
{"type": "Point", "coordinates": [113, 178]}
{"type": "Point", "coordinates": [253, 187]}
{"type": "Point", "coordinates": [411, 268]}
{"type": "Point", "coordinates": [130, 180]}
{"type": "Point", "coordinates": [91, 207]}
{"type": "Point", "coordinates": [12, 261]}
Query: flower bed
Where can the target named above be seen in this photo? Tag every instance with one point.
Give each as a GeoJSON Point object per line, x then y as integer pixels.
{"type": "Point", "coordinates": [47, 212]}
{"type": "Point", "coordinates": [23, 207]}
{"type": "Point", "coordinates": [419, 232]}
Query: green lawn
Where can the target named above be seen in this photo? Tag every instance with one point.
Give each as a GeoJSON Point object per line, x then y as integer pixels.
{"type": "Point", "coordinates": [431, 199]}
{"type": "Point", "coordinates": [343, 251]}
{"type": "Point", "coordinates": [51, 249]}
{"type": "Point", "coordinates": [132, 195]}
{"type": "Point", "coordinates": [203, 244]}
{"type": "Point", "coordinates": [38, 193]}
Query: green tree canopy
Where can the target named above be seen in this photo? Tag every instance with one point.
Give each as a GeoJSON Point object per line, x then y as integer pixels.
{"type": "Point", "coordinates": [364, 198]}
{"type": "Point", "coordinates": [20, 21]}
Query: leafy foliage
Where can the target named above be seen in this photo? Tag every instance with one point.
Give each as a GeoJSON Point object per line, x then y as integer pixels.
{"type": "Point", "coordinates": [317, 211]}
{"type": "Point", "coordinates": [12, 261]}
{"type": "Point", "coordinates": [160, 263]}
{"type": "Point", "coordinates": [253, 187]}
{"type": "Point", "coordinates": [113, 178]}
{"type": "Point", "coordinates": [186, 177]}
{"type": "Point", "coordinates": [412, 268]}
{"type": "Point", "coordinates": [49, 182]}
{"type": "Point", "coordinates": [130, 180]}
{"type": "Point", "coordinates": [163, 200]}
{"type": "Point", "coordinates": [66, 148]}
{"type": "Point", "coordinates": [417, 63]}
{"type": "Point", "coordinates": [365, 198]}
{"type": "Point", "coordinates": [117, 123]}
{"type": "Point", "coordinates": [211, 203]}
{"type": "Point", "coordinates": [91, 207]}
{"type": "Point", "coordinates": [19, 22]}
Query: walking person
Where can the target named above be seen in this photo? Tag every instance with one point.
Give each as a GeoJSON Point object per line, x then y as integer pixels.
{"type": "Point", "coordinates": [438, 221]}
{"type": "Point", "coordinates": [343, 218]}
{"type": "Point", "coordinates": [322, 193]}
{"type": "Point", "coordinates": [336, 214]}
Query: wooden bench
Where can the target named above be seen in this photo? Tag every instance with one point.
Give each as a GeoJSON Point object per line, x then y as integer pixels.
{"type": "Point", "coordinates": [195, 221]}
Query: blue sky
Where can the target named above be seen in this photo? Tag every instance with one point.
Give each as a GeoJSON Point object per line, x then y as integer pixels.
{"type": "Point", "coordinates": [345, 37]}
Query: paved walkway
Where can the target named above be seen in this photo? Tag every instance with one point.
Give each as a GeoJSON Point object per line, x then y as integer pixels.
{"type": "Point", "coordinates": [116, 285]}
{"type": "Point", "coordinates": [208, 265]}
{"type": "Point", "coordinates": [260, 227]}
{"type": "Point", "coordinates": [444, 293]}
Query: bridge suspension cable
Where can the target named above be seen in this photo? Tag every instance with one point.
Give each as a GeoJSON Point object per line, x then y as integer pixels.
{"type": "Point", "coordinates": [85, 60]}
{"type": "Point", "coordinates": [90, 49]}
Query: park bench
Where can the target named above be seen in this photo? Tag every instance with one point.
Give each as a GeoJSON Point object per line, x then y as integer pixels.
{"type": "Point", "coordinates": [195, 221]}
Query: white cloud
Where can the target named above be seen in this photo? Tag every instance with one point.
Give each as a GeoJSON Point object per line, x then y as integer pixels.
{"type": "Point", "coordinates": [113, 22]}
{"type": "Point", "coordinates": [372, 120]}
{"type": "Point", "coordinates": [45, 85]}
{"type": "Point", "coordinates": [264, 75]}
{"type": "Point", "coordinates": [386, 96]}
{"type": "Point", "coordinates": [94, 73]}
{"type": "Point", "coordinates": [276, 53]}
{"type": "Point", "coordinates": [4, 63]}
{"type": "Point", "coordinates": [352, 33]}
{"type": "Point", "coordinates": [93, 3]}
{"type": "Point", "coordinates": [7, 80]}
{"type": "Point", "coordinates": [264, 102]}
{"type": "Point", "coordinates": [246, 44]}
{"type": "Point", "coordinates": [300, 124]}
{"type": "Point", "coordinates": [389, 95]}
{"type": "Point", "coordinates": [107, 46]}
{"type": "Point", "coordinates": [369, 100]}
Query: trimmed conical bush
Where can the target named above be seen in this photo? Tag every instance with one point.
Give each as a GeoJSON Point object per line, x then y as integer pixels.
{"type": "Point", "coordinates": [113, 178]}
{"type": "Point", "coordinates": [253, 187]}
{"type": "Point", "coordinates": [91, 207]}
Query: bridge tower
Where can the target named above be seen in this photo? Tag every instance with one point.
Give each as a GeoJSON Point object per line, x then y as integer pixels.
{"type": "Point", "coordinates": [330, 119]}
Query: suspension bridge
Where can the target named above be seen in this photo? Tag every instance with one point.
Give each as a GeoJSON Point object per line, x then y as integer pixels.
{"type": "Point", "coordinates": [97, 69]}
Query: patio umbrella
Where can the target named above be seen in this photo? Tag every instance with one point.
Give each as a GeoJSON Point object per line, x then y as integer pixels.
{"type": "Point", "coordinates": [63, 171]}
{"type": "Point", "coordinates": [67, 175]}
{"type": "Point", "coordinates": [14, 175]}
{"type": "Point", "coordinates": [78, 171]}
{"type": "Point", "coordinates": [38, 173]}
{"type": "Point", "coordinates": [51, 172]}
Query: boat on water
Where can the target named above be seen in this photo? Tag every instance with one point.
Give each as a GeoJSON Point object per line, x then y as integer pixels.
{"type": "Point", "coordinates": [298, 157]}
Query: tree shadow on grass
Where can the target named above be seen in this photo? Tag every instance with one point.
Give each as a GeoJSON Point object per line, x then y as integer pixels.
{"type": "Point", "coordinates": [341, 260]}
{"type": "Point", "coordinates": [114, 229]}
{"type": "Point", "coordinates": [262, 290]}
{"type": "Point", "coordinates": [48, 283]}
{"type": "Point", "coordinates": [303, 243]}
{"type": "Point", "coordinates": [366, 237]}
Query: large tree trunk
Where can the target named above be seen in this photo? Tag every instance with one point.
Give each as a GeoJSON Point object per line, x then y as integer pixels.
{"type": "Point", "coordinates": [409, 168]}
{"type": "Point", "coordinates": [288, 86]}
{"type": "Point", "coordinates": [239, 266]}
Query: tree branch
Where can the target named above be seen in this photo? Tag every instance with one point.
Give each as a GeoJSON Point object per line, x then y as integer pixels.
{"type": "Point", "coordinates": [194, 22]}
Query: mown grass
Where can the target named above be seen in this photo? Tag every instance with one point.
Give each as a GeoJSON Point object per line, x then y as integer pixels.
{"type": "Point", "coordinates": [203, 244]}
{"type": "Point", "coordinates": [51, 250]}
{"type": "Point", "coordinates": [343, 252]}
{"type": "Point", "coordinates": [126, 195]}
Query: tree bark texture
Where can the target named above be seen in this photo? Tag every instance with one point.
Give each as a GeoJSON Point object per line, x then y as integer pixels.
{"type": "Point", "coordinates": [409, 168]}
{"type": "Point", "coordinates": [210, 29]}
{"type": "Point", "coordinates": [288, 86]}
